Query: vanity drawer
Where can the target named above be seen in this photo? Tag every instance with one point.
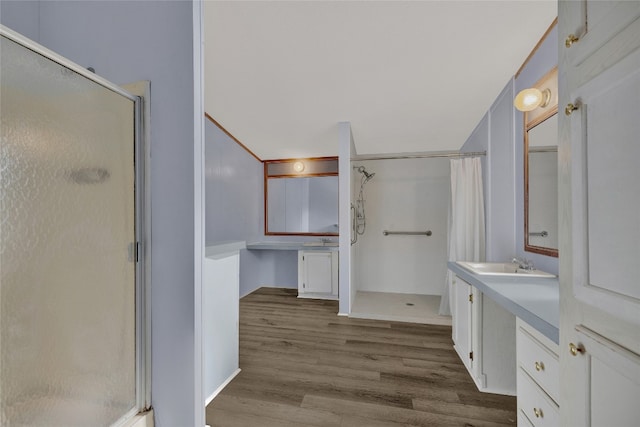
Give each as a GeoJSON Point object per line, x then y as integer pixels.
{"type": "Point", "coordinates": [538, 360]}
{"type": "Point", "coordinates": [535, 403]}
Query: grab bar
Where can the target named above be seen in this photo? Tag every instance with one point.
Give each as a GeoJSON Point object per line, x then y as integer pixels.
{"type": "Point", "coordinates": [354, 227]}
{"type": "Point", "coordinates": [539, 233]}
{"type": "Point", "coordinates": [408, 233]}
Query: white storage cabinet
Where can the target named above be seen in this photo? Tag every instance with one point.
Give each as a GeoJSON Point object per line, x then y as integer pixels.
{"type": "Point", "coordinates": [484, 337]}
{"type": "Point", "coordinates": [318, 274]}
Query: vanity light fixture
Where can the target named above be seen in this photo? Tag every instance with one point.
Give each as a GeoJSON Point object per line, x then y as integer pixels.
{"type": "Point", "coordinates": [298, 166]}
{"type": "Point", "coordinates": [532, 98]}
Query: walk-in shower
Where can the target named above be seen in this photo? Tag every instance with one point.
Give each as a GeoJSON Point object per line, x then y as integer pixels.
{"type": "Point", "coordinates": [358, 214]}
{"type": "Point", "coordinates": [399, 265]}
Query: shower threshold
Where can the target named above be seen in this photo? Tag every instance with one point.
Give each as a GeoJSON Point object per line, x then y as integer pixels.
{"type": "Point", "coordinates": [411, 308]}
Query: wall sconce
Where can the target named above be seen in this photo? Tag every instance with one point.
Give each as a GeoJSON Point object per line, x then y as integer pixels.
{"type": "Point", "coordinates": [298, 166]}
{"type": "Point", "coordinates": [532, 98]}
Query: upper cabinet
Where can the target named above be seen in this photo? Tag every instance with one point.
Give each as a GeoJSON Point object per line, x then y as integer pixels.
{"type": "Point", "coordinates": [599, 70]}
{"type": "Point", "coordinates": [601, 113]}
{"type": "Point", "coordinates": [301, 197]}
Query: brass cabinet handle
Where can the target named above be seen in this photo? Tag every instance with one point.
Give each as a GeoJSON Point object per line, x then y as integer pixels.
{"type": "Point", "coordinates": [539, 366]}
{"type": "Point", "coordinates": [570, 40]}
{"type": "Point", "coordinates": [538, 412]}
{"type": "Point", "coordinates": [570, 108]}
{"type": "Point", "coordinates": [576, 349]}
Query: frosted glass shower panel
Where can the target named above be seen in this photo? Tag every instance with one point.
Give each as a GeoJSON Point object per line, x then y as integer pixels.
{"type": "Point", "coordinates": [67, 278]}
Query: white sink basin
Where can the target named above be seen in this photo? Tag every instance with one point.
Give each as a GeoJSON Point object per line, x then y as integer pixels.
{"type": "Point", "coordinates": [501, 269]}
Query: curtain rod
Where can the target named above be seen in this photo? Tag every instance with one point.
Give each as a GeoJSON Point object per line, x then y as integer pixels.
{"type": "Point", "coordinates": [455, 154]}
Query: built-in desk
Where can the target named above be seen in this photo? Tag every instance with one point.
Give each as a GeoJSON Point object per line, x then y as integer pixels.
{"type": "Point", "coordinates": [317, 266]}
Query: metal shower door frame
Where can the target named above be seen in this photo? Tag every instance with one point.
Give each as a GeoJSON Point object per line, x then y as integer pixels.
{"type": "Point", "coordinates": [142, 244]}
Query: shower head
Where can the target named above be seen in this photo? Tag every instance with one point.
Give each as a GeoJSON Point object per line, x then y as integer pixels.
{"type": "Point", "coordinates": [363, 171]}
{"type": "Point", "coordinates": [368, 176]}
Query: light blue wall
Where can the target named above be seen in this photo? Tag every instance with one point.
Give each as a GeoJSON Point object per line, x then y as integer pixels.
{"type": "Point", "coordinates": [500, 219]}
{"type": "Point", "coordinates": [22, 16]}
{"type": "Point", "coordinates": [501, 134]}
{"type": "Point", "coordinates": [234, 204]}
{"type": "Point", "coordinates": [234, 193]}
{"type": "Point", "coordinates": [128, 41]}
{"type": "Point", "coordinates": [494, 134]}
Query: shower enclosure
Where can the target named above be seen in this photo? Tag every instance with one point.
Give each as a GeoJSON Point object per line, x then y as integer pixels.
{"type": "Point", "coordinates": [72, 347]}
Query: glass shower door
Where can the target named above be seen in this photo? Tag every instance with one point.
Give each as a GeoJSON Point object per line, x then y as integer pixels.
{"type": "Point", "coordinates": [67, 258]}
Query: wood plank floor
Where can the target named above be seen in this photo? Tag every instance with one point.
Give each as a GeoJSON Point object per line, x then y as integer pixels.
{"type": "Point", "coordinates": [302, 365]}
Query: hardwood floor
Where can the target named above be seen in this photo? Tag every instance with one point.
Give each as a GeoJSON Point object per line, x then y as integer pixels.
{"type": "Point", "coordinates": [302, 365]}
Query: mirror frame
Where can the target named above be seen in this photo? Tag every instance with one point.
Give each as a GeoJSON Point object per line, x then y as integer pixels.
{"type": "Point", "coordinates": [531, 120]}
{"type": "Point", "coordinates": [291, 173]}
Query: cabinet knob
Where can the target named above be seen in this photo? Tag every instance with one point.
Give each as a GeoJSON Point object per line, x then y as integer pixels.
{"type": "Point", "coordinates": [538, 412]}
{"type": "Point", "coordinates": [570, 40]}
{"type": "Point", "coordinates": [539, 366]}
{"type": "Point", "coordinates": [570, 108]}
{"type": "Point", "coordinates": [576, 349]}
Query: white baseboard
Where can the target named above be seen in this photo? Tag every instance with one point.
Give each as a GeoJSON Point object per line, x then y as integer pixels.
{"type": "Point", "coordinates": [222, 386]}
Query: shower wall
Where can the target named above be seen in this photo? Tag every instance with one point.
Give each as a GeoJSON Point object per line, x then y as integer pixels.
{"type": "Point", "coordinates": [404, 195]}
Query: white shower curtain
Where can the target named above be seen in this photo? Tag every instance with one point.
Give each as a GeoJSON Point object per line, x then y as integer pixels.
{"type": "Point", "coordinates": [466, 219]}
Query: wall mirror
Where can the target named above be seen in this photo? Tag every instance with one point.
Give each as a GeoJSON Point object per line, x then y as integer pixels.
{"type": "Point", "coordinates": [541, 173]}
{"type": "Point", "coordinates": [301, 197]}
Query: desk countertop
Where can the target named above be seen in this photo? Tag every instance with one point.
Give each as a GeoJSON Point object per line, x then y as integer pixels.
{"type": "Point", "coordinates": [290, 246]}
{"type": "Point", "coordinates": [223, 249]}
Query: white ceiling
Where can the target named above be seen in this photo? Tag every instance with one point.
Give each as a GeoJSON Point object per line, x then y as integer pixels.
{"type": "Point", "coordinates": [410, 76]}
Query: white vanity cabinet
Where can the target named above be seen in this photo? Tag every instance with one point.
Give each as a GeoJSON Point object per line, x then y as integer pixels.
{"type": "Point", "coordinates": [538, 377]}
{"type": "Point", "coordinates": [318, 274]}
{"type": "Point", "coordinates": [484, 336]}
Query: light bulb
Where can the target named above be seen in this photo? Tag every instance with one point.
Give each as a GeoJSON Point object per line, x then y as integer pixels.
{"type": "Point", "coordinates": [528, 99]}
{"type": "Point", "coordinates": [532, 98]}
{"type": "Point", "coordinates": [298, 167]}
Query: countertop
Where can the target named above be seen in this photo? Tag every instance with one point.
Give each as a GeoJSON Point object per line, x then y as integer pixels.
{"type": "Point", "coordinates": [224, 249]}
{"type": "Point", "coordinates": [534, 300]}
{"type": "Point", "coordinates": [290, 246]}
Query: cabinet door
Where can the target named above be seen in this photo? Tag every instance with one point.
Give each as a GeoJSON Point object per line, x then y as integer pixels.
{"type": "Point", "coordinates": [462, 321]}
{"type": "Point", "coordinates": [317, 272]}
{"type": "Point", "coordinates": [611, 381]}
{"type": "Point", "coordinates": [604, 143]}
{"type": "Point", "coordinates": [597, 34]}
{"type": "Point", "coordinates": [598, 210]}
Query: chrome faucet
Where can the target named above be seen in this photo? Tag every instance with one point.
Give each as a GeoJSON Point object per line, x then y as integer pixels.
{"type": "Point", "coordinates": [523, 263]}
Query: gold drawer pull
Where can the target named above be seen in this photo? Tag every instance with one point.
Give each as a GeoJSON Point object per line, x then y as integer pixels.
{"type": "Point", "coordinates": [570, 40]}
{"type": "Point", "coordinates": [538, 412]}
{"type": "Point", "coordinates": [570, 108]}
{"type": "Point", "coordinates": [539, 366]}
{"type": "Point", "coordinates": [576, 349]}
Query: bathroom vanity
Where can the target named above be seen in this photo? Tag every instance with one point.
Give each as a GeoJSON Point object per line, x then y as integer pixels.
{"type": "Point", "coordinates": [505, 330]}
